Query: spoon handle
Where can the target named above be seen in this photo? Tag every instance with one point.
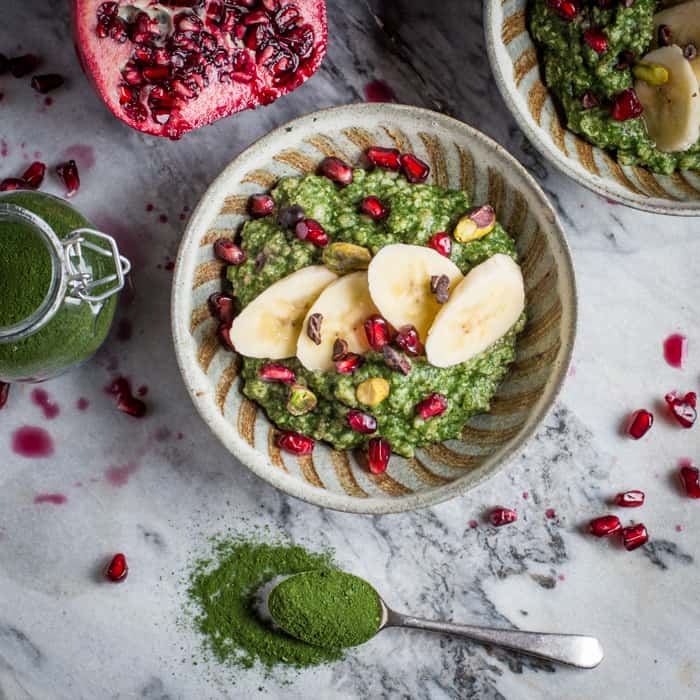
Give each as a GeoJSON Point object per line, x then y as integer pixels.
{"type": "Point", "coordinates": [573, 649]}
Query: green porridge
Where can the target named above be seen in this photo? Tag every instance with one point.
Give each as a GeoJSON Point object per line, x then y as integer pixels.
{"type": "Point", "coordinates": [594, 56]}
{"type": "Point", "coordinates": [416, 212]}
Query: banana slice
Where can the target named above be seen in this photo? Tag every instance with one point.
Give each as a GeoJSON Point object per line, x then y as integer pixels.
{"type": "Point", "coordinates": [683, 21]}
{"type": "Point", "coordinates": [672, 110]}
{"type": "Point", "coordinates": [399, 283]}
{"type": "Point", "coordinates": [344, 306]}
{"type": "Point", "coordinates": [270, 325]}
{"type": "Point", "coordinates": [482, 309]}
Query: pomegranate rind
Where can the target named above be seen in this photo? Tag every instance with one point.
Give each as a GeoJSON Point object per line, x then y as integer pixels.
{"type": "Point", "coordinates": [102, 60]}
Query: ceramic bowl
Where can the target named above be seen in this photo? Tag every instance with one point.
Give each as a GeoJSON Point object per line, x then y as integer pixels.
{"type": "Point", "coordinates": [460, 157]}
{"type": "Point", "coordinates": [515, 64]}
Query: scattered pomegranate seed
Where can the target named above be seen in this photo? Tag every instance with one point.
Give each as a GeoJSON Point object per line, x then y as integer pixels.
{"type": "Point", "coordinates": [349, 363]}
{"type": "Point", "coordinates": [415, 170]}
{"type": "Point", "coordinates": [23, 65]}
{"type": "Point", "coordinates": [310, 230]}
{"type": "Point", "coordinates": [442, 243]}
{"type": "Point", "coordinates": [605, 525]}
{"type": "Point", "coordinates": [361, 422]}
{"type": "Point", "coordinates": [47, 83]}
{"type": "Point", "coordinates": [378, 455]}
{"type": "Point", "coordinates": [295, 443]}
{"type": "Point", "coordinates": [378, 332]}
{"type": "Point", "coordinates": [690, 478]}
{"type": "Point", "coordinates": [4, 63]}
{"type": "Point", "coordinates": [630, 499]}
{"type": "Point", "coordinates": [565, 9]}
{"type": "Point", "coordinates": [626, 106]}
{"type": "Point", "coordinates": [683, 408]}
{"type": "Point", "coordinates": [34, 175]}
{"type": "Point", "coordinates": [222, 307]}
{"type": "Point", "coordinates": [261, 205]}
{"type": "Point", "coordinates": [277, 373]}
{"type": "Point", "coordinates": [408, 340]}
{"type": "Point", "coordinates": [639, 423]}
{"type": "Point", "coordinates": [118, 569]}
{"type": "Point", "coordinates": [337, 170]}
{"type": "Point", "coordinates": [596, 39]}
{"type": "Point", "coordinates": [126, 401]}
{"type": "Point", "coordinates": [634, 536]}
{"type": "Point", "coordinates": [68, 172]}
{"type": "Point", "coordinates": [4, 393]}
{"type": "Point", "coordinates": [12, 183]}
{"type": "Point", "coordinates": [432, 406]}
{"type": "Point", "coordinates": [289, 217]}
{"type": "Point", "coordinates": [387, 158]}
{"type": "Point", "coordinates": [225, 249]}
{"type": "Point", "coordinates": [372, 207]}
{"type": "Point", "coordinates": [224, 333]}
{"type": "Point", "coordinates": [675, 350]}
{"type": "Point", "coordinates": [500, 516]}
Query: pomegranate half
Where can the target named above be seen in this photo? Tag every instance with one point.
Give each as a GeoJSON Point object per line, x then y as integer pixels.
{"type": "Point", "coordinates": [168, 67]}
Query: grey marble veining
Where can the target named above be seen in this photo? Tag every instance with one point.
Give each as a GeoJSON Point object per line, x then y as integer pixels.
{"type": "Point", "coordinates": [63, 634]}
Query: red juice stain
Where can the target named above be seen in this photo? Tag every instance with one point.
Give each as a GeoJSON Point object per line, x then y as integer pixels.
{"type": "Point", "coordinates": [150, 207]}
{"type": "Point", "coordinates": [169, 266]}
{"type": "Point", "coordinates": [185, 208]}
{"type": "Point", "coordinates": [163, 219]}
{"type": "Point", "coordinates": [4, 393]}
{"type": "Point", "coordinates": [550, 513]}
{"type": "Point", "coordinates": [162, 434]}
{"type": "Point", "coordinates": [679, 528]}
{"type": "Point", "coordinates": [379, 91]}
{"type": "Point", "coordinates": [4, 150]}
{"type": "Point", "coordinates": [473, 524]}
{"type": "Point", "coordinates": [180, 436]}
{"type": "Point", "coordinates": [82, 404]}
{"type": "Point", "coordinates": [685, 462]}
{"type": "Point", "coordinates": [526, 495]}
{"type": "Point", "coordinates": [57, 499]}
{"type": "Point", "coordinates": [82, 153]}
{"type": "Point", "coordinates": [32, 442]}
{"type": "Point", "coordinates": [48, 101]}
{"type": "Point", "coordinates": [142, 390]}
{"type": "Point", "coordinates": [124, 330]}
{"type": "Point", "coordinates": [42, 399]}
{"type": "Point", "coordinates": [675, 350]}
{"type": "Point", "coordinates": [561, 577]}
{"type": "Point", "coordinates": [183, 216]}
{"type": "Point", "coordinates": [119, 476]}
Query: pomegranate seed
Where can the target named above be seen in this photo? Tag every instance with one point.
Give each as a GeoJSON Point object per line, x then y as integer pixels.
{"type": "Point", "coordinates": [4, 393]}
{"type": "Point", "coordinates": [372, 207]}
{"type": "Point", "coordinates": [408, 340]}
{"type": "Point", "coordinates": [630, 499]}
{"type": "Point", "coordinates": [387, 158]}
{"type": "Point", "coordinates": [500, 516]}
{"type": "Point", "coordinates": [225, 249]}
{"type": "Point", "coordinates": [224, 334]}
{"type": "Point", "coordinates": [564, 9]}
{"type": "Point", "coordinates": [683, 409]}
{"type": "Point", "coordinates": [626, 106]}
{"type": "Point", "coordinates": [277, 373]}
{"type": "Point", "coordinates": [442, 242]}
{"type": "Point", "coordinates": [605, 525]}
{"type": "Point", "coordinates": [12, 183]}
{"type": "Point", "coordinates": [415, 170]}
{"type": "Point", "coordinates": [261, 205]}
{"type": "Point", "coordinates": [378, 455]}
{"type": "Point", "coordinates": [337, 170]}
{"type": "Point", "coordinates": [289, 217]}
{"type": "Point", "coordinates": [23, 65]}
{"type": "Point", "coordinates": [222, 307]}
{"type": "Point", "coordinates": [68, 172]}
{"type": "Point", "coordinates": [47, 83]}
{"type": "Point", "coordinates": [639, 423]}
{"type": "Point", "coordinates": [432, 406]}
{"type": "Point", "coordinates": [361, 422]}
{"type": "Point", "coordinates": [34, 175]}
{"type": "Point", "coordinates": [676, 350]}
{"type": "Point", "coordinates": [349, 363]}
{"type": "Point", "coordinates": [378, 332]}
{"type": "Point", "coordinates": [310, 230]}
{"type": "Point", "coordinates": [596, 39]}
{"type": "Point", "coordinates": [295, 443]}
{"type": "Point", "coordinates": [634, 536]}
{"type": "Point", "coordinates": [118, 569]}
{"type": "Point", "coordinates": [690, 478]}
{"type": "Point", "coordinates": [126, 401]}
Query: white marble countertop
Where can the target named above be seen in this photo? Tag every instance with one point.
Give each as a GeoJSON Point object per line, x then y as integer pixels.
{"type": "Point", "coordinates": [133, 486]}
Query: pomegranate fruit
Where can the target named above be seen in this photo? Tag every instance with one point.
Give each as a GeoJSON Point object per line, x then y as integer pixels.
{"type": "Point", "coordinates": [168, 67]}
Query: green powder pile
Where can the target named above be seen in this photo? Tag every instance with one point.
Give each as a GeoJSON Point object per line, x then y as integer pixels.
{"type": "Point", "coordinates": [329, 609]}
{"type": "Point", "coordinates": [223, 589]}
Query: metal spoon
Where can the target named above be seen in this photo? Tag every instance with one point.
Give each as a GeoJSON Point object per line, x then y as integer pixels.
{"type": "Point", "coordinates": [573, 649]}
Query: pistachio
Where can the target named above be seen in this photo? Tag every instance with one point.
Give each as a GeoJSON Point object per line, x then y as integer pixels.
{"type": "Point", "coordinates": [301, 400]}
{"type": "Point", "coordinates": [372, 391]}
{"type": "Point", "coordinates": [475, 224]}
{"type": "Point", "coordinates": [651, 73]}
{"type": "Point", "coordinates": [313, 328]}
{"type": "Point", "coordinates": [440, 287]}
{"type": "Point", "coordinates": [342, 258]}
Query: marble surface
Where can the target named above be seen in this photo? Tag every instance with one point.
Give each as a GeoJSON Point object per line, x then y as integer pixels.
{"type": "Point", "coordinates": [133, 486]}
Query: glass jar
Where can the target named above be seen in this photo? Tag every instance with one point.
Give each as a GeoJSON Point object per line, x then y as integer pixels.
{"type": "Point", "coordinates": [59, 281]}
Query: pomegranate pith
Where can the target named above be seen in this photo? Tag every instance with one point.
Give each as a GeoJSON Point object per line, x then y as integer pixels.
{"type": "Point", "coordinates": [634, 536]}
{"type": "Point", "coordinates": [295, 443]}
{"type": "Point", "coordinates": [191, 62]}
{"type": "Point", "coordinates": [500, 516]}
{"type": "Point", "coordinates": [378, 455]}
{"type": "Point", "coordinates": [118, 569]}
{"type": "Point", "coordinates": [605, 525]}
{"type": "Point", "coordinates": [639, 423]}
{"type": "Point", "coordinates": [630, 499]}
{"type": "Point", "coordinates": [690, 479]}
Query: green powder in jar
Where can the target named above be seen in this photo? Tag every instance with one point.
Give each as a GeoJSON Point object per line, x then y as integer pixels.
{"type": "Point", "coordinates": [329, 609]}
